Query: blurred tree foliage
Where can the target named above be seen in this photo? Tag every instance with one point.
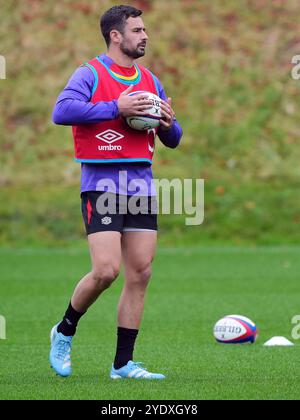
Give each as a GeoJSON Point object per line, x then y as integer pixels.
{"type": "Point", "coordinates": [227, 66]}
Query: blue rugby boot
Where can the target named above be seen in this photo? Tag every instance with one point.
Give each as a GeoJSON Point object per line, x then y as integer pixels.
{"type": "Point", "coordinates": [134, 370]}
{"type": "Point", "coordinates": [60, 353]}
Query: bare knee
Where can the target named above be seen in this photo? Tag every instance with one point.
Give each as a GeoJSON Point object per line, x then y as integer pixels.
{"type": "Point", "coordinates": [104, 276]}
{"type": "Point", "coordinates": [141, 276]}
{"type": "Point", "coordinates": [145, 275]}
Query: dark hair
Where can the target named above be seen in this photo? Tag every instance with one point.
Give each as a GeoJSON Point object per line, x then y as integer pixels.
{"type": "Point", "coordinates": [115, 18]}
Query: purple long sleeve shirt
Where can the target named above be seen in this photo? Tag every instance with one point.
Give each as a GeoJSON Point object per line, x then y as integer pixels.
{"type": "Point", "coordinates": [73, 107]}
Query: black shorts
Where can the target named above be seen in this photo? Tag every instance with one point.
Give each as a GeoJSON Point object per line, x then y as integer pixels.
{"type": "Point", "coordinates": [104, 212]}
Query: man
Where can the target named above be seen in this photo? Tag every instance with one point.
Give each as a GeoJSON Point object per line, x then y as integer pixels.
{"type": "Point", "coordinates": [95, 102]}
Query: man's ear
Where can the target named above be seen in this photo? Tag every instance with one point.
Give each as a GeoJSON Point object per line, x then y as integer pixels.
{"type": "Point", "coordinates": [115, 36]}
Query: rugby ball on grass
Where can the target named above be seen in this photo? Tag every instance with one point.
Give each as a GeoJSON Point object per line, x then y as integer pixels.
{"type": "Point", "coordinates": [235, 329]}
{"type": "Point", "coordinates": [151, 117]}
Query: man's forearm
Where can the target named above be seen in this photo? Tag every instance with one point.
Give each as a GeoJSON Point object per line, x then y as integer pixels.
{"type": "Point", "coordinates": [171, 138]}
{"type": "Point", "coordinates": [75, 112]}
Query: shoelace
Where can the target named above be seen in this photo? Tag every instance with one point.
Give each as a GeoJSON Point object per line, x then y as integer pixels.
{"type": "Point", "coordinates": [139, 365]}
{"type": "Point", "coordinates": [63, 348]}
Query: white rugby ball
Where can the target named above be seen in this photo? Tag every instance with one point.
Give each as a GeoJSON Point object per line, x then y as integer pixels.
{"type": "Point", "coordinates": [235, 329]}
{"type": "Point", "coordinates": [151, 117]}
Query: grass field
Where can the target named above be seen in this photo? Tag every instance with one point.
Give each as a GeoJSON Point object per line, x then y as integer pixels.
{"type": "Point", "coordinates": [191, 288]}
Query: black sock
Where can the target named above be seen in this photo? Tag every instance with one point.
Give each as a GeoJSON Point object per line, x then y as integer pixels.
{"type": "Point", "coordinates": [125, 346]}
{"type": "Point", "coordinates": [70, 320]}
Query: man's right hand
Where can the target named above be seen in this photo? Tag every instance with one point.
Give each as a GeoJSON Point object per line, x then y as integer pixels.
{"type": "Point", "coordinates": [133, 105]}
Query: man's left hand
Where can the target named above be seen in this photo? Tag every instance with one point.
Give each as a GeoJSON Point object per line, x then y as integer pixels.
{"type": "Point", "coordinates": [168, 115]}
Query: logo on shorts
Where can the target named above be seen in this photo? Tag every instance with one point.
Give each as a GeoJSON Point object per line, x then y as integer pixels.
{"type": "Point", "coordinates": [109, 136]}
{"type": "Point", "coordinates": [106, 221]}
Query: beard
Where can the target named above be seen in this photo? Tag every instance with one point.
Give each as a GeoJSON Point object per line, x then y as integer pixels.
{"type": "Point", "coordinates": [132, 52]}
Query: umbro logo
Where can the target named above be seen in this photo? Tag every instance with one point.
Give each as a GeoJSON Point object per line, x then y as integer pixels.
{"type": "Point", "coordinates": [106, 221]}
{"type": "Point", "coordinates": [109, 136]}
